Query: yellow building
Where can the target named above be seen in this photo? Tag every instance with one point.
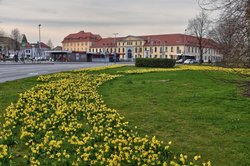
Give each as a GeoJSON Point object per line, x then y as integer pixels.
{"type": "Point", "coordinates": [81, 41]}
{"type": "Point", "coordinates": [172, 46]}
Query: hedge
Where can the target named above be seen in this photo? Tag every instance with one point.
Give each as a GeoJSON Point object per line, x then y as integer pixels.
{"type": "Point", "coordinates": [148, 62]}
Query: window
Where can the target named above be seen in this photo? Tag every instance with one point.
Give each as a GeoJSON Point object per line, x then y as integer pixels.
{"type": "Point", "coordinates": [155, 49]}
{"type": "Point", "coordinates": [130, 43]}
{"type": "Point", "coordinates": [172, 49]}
{"type": "Point", "coordinates": [161, 49]}
{"type": "Point", "coordinates": [155, 56]}
{"type": "Point", "coordinates": [166, 49]}
{"type": "Point", "coordinates": [136, 50]}
{"type": "Point", "coordinates": [178, 50]}
{"type": "Point", "coordinates": [119, 50]}
{"type": "Point", "coordinates": [123, 50]}
{"type": "Point", "coordinates": [140, 49]}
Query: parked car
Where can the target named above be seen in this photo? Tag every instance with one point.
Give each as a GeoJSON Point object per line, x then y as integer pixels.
{"type": "Point", "coordinates": [180, 61]}
{"type": "Point", "coordinates": [189, 61]}
{"type": "Point", "coordinates": [196, 61]}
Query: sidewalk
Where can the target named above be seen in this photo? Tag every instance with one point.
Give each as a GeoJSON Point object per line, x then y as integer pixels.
{"type": "Point", "coordinates": [26, 62]}
{"type": "Point", "coordinates": [52, 63]}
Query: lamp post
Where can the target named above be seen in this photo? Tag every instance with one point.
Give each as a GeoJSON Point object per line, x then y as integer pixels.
{"type": "Point", "coordinates": [115, 34]}
{"type": "Point", "coordinates": [39, 26]}
{"type": "Point", "coordinates": [184, 52]}
{"type": "Point", "coordinates": [39, 42]}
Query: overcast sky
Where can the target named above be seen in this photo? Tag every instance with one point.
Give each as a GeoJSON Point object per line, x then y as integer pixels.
{"type": "Point", "coordinates": [105, 17]}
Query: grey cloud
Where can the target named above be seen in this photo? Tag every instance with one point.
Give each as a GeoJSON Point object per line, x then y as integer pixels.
{"type": "Point", "coordinates": [61, 23]}
{"type": "Point", "coordinates": [44, 10]}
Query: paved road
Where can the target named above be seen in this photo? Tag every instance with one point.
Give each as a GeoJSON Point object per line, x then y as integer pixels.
{"type": "Point", "coordinates": [10, 72]}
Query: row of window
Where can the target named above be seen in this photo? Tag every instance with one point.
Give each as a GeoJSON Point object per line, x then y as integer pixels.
{"type": "Point", "coordinates": [76, 49]}
{"type": "Point", "coordinates": [205, 51]}
{"type": "Point", "coordinates": [75, 44]}
{"type": "Point", "coordinates": [138, 49]}
{"type": "Point", "coordinates": [206, 58]}
{"type": "Point", "coordinates": [130, 43]}
{"type": "Point", "coordinates": [148, 49]}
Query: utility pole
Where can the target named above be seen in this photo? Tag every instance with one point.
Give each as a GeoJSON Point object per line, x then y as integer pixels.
{"type": "Point", "coordinates": [115, 34]}
{"type": "Point", "coordinates": [39, 26]}
{"type": "Point", "coordinates": [39, 42]}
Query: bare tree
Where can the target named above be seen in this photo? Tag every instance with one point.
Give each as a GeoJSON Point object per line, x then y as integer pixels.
{"type": "Point", "coordinates": [199, 27]}
{"type": "Point", "coordinates": [50, 44]}
{"type": "Point", "coordinates": [232, 30]}
{"type": "Point", "coordinates": [16, 35]}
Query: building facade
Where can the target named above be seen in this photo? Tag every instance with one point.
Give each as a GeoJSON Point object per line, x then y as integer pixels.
{"type": "Point", "coordinates": [36, 51]}
{"type": "Point", "coordinates": [8, 45]}
{"type": "Point", "coordinates": [81, 41]}
{"type": "Point", "coordinates": [172, 46]}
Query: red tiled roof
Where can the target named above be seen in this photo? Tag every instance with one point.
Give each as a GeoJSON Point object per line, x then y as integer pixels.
{"type": "Point", "coordinates": [29, 45]}
{"type": "Point", "coordinates": [81, 37]}
{"type": "Point", "coordinates": [106, 42]}
{"type": "Point", "coordinates": [43, 45]}
{"type": "Point", "coordinates": [157, 40]}
{"type": "Point", "coordinates": [175, 39]}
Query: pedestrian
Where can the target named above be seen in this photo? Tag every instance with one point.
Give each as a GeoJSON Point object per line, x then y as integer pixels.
{"type": "Point", "coordinates": [16, 57]}
{"type": "Point", "coordinates": [4, 57]}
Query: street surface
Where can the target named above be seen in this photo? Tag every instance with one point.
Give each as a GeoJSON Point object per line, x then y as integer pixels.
{"type": "Point", "coordinates": [14, 71]}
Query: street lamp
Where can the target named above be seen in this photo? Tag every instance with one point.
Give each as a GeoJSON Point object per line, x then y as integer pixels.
{"type": "Point", "coordinates": [115, 34]}
{"type": "Point", "coordinates": [184, 52]}
{"type": "Point", "coordinates": [39, 42]}
{"type": "Point", "coordinates": [39, 26]}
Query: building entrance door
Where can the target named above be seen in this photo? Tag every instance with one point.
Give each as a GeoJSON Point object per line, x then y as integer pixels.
{"type": "Point", "coordinates": [129, 54]}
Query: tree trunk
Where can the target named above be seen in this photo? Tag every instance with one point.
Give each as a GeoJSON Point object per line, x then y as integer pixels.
{"type": "Point", "coordinates": [248, 33]}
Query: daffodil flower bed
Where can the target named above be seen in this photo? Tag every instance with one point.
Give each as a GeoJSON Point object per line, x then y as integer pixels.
{"type": "Point", "coordinates": [65, 122]}
{"type": "Point", "coordinates": [188, 67]}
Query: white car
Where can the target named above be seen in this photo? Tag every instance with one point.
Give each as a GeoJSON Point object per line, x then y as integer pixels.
{"type": "Point", "coordinates": [180, 61]}
{"type": "Point", "coordinates": [189, 61]}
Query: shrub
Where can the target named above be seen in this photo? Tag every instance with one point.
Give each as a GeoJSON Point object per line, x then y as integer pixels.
{"type": "Point", "coordinates": [148, 62]}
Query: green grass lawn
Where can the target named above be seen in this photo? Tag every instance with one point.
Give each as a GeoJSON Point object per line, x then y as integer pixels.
{"type": "Point", "coordinates": [195, 109]}
{"type": "Point", "coordinates": [9, 91]}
